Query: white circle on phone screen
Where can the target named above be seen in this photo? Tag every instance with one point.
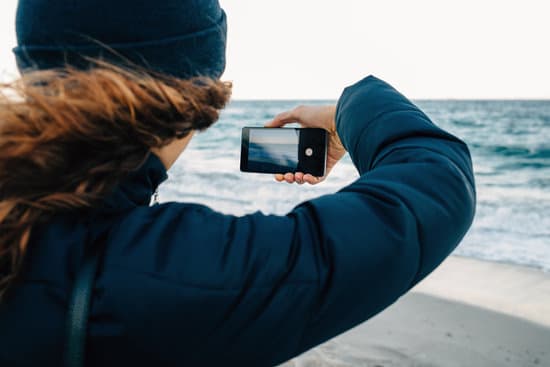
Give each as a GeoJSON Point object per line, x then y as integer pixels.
{"type": "Point", "coordinates": [309, 152]}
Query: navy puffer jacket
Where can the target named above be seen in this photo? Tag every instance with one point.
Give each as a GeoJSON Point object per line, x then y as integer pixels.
{"type": "Point", "coordinates": [183, 285]}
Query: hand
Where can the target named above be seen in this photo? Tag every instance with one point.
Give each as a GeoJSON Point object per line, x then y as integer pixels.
{"type": "Point", "coordinates": [312, 116]}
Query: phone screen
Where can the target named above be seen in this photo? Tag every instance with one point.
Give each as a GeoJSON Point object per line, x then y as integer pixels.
{"type": "Point", "coordinates": [273, 150]}
{"type": "Point", "coordinates": [282, 150]}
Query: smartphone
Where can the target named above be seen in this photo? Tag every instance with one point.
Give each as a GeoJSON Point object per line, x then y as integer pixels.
{"type": "Point", "coordinates": [282, 150]}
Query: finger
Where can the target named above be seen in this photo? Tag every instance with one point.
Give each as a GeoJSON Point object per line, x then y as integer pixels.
{"type": "Point", "coordinates": [299, 177]}
{"type": "Point", "coordinates": [281, 119]}
{"type": "Point", "coordinates": [279, 177]}
{"type": "Point", "coordinates": [289, 177]}
{"type": "Point", "coordinates": [312, 180]}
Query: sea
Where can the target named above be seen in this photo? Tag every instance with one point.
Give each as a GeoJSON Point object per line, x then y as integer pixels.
{"type": "Point", "coordinates": [510, 146]}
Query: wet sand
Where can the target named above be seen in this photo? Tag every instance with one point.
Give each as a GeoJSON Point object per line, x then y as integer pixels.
{"type": "Point", "coordinates": [467, 313]}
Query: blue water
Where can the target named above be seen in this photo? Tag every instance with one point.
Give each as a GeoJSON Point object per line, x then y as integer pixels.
{"type": "Point", "coordinates": [285, 155]}
{"type": "Point", "coordinates": [510, 145]}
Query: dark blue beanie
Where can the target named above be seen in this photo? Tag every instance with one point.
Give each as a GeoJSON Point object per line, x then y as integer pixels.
{"type": "Point", "coordinates": [183, 38]}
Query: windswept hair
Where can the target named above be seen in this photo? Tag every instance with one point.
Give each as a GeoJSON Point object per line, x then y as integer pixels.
{"type": "Point", "coordinates": [68, 136]}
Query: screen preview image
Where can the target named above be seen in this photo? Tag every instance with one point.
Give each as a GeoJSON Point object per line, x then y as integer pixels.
{"type": "Point", "coordinates": [273, 150]}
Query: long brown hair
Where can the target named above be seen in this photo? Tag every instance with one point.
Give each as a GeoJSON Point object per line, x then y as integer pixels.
{"type": "Point", "coordinates": [68, 136]}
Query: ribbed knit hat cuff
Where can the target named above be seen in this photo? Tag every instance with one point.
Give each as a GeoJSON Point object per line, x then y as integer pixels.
{"type": "Point", "coordinates": [200, 53]}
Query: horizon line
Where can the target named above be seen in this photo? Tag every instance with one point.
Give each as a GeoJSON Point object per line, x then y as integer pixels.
{"type": "Point", "coordinates": [438, 99]}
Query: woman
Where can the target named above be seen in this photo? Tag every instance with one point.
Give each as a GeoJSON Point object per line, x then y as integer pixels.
{"type": "Point", "coordinates": [86, 143]}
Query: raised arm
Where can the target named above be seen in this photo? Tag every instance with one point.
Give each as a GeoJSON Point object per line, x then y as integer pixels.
{"type": "Point", "coordinates": [411, 206]}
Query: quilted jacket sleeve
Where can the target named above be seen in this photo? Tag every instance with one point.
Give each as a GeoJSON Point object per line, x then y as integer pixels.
{"type": "Point", "coordinates": [411, 206]}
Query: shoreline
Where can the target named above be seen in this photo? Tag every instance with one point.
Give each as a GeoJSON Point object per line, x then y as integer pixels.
{"type": "Point", "coordinates": [466, 313]}
{"type": "Point", "coordinates": [515, 290]}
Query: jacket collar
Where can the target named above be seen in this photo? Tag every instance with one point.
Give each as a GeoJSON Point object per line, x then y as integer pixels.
{"type": "Point", "coordinates": [138, 187]}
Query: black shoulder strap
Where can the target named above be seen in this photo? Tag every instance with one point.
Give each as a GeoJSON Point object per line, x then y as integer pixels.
{"type": "Point", "coordinates": [79, 305]}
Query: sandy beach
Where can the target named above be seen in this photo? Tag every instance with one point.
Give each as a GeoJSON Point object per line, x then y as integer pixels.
{"type": "Point", "coordinates": [467, 313]}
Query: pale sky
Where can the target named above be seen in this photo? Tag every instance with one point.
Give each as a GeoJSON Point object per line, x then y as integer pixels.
{"type": "Point", "coordinates": [312, 49]}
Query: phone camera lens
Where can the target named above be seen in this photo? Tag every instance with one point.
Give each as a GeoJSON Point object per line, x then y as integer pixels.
{"type": "Point", "coordinates": [309, 152]}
